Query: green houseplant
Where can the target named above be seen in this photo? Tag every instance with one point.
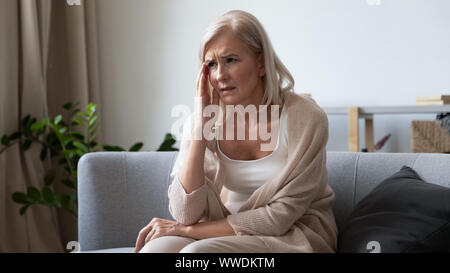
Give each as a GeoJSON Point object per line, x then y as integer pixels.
{"type": "Point", "coordinates": [66, 140]}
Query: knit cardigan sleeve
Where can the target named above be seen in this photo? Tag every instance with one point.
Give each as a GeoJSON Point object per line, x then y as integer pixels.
{"type": "Point", "coordinates": [306, 182]}
{"type": "Point", "coordinates": [185, 208]}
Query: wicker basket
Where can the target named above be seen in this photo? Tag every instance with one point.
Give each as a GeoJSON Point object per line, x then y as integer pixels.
{"type": "Point", "coordinates": [428, 137]}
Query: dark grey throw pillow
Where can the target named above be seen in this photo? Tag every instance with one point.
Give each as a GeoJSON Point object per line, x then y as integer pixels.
{"type": "Point", "coordinates": [402, 214]}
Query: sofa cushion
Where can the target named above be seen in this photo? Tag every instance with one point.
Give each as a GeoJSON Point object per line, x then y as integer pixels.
{"type": "Point", "coordinates": [111, 250]}
{"type": "Point", "coordinates": [402, 214]}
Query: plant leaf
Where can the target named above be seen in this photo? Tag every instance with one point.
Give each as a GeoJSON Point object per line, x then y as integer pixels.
{"type": "Point", "coordinates": [81, 146]}
{"type": "Point", "coordinates": [15, 135]}
{"type": "Point", "coordinates": [34, 194]}
{"type": "Point", "coordinates": [68, 105]}
{"type": "Point", "coordinates": [72, 106]}
{"type": "Point", "coordinates": [77, 135]}
{"type": "Point", "coordinates": [73, 197]}
{"type": "Point", "coordinates": [49, 177]}
{"type": "Point", "coordinates": [57, 200]}
{"type": "Point", "coordinates": [51, 138]}
{"type": "Point", "coordinates": [83, 115]}
{"type": "Point", "coordinates": [76, 121]}
{"type": "Point", "coordinates": [37, 126]}
{"type": "Point", "coordinates": [66, 202]}
{"type": "Point", "coordinates": [169, 140]}
{"type": "Point", "coordinates": [91, 138]}
{"type": "Point", "coordinates": [26, 145]}
{"type": "Point", "coordinates": [91, 121]}
{"type": "Point", "coordinates": [69, 153]}
{"type": "Point", "coordinates": [93, 128]}
{"type": "Point", "coordinates": [27, 130]}
{"type": "Point", "coordinates": [48, 196]}
{"type": "Point", "coordinates": [68, 140]}
{"type": "Point", "coordinates": [136, 147]}
{"type": "Point", "coordinates": [46, 121]}
{"type": "Point", "coordinates": [58, 119]}
{"type": "Point", "coordinates": [96, 148]}
{"type": "Point", "coordinates": [43, 154]}
{"type": "Point", "coordinates": [75, 111]}
{"type": "Point", "coordinates": [23, 209]}
{"type": "Point", "coordinates": [113, 148]}
{"type": "Point", "coordinates": [26, 126]}
{"type": "Point", "coordinates": [25, 120]}
{"type": "Point", "coordinates": [91, 108]}
{"type": "Point", "coordinates": [21, 198]}
{"type": "Point", "coordinates": [5, 140]}
{"type": "Point", "coordinates": [69, 183]}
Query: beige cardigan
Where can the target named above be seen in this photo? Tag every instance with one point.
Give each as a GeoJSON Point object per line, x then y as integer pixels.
{"type": "Point", "coordinates": [290, 212]}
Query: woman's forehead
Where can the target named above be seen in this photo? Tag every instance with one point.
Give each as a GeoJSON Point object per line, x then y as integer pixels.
{"type": "Point", "coordinates": [225, 54]}
{"type": "Point", "coordinates": [224, 46]}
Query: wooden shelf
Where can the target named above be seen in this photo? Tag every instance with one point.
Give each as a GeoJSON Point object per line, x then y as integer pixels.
{"type": "Point", "coordinates": [366, 112]}
{"type": "Point", "coordinates": [409, 109]}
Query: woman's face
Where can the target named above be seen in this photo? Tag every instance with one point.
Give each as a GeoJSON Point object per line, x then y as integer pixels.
{"type": "Point", "coordinates": [233, 65]}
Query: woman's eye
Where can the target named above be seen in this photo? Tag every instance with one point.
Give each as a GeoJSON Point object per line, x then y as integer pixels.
{"type": "Point", "coordinates": [228, 60]}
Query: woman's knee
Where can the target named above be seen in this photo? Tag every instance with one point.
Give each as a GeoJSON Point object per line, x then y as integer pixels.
{"type": "Point", "coordinates": [197, 247]}
{"type": "Point", "coordinates": [227, 244]}
{"type": "Point", "coordinates": [211, 245]}
{"type": "Point", "coordinates": [166, 244]}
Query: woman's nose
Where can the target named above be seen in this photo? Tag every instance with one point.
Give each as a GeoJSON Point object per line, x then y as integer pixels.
{"type": "Point", "coordinates": [221, 73]}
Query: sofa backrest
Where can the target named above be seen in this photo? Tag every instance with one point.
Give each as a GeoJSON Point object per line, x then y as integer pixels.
{"type": "Point", "coordinates": [353, 175]}
{"type": "Point", "coordinates": [120, 192]}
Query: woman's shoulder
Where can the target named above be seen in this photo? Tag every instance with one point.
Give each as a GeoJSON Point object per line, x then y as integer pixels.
{"type": "Point", "coordinates": [303, 107]}
{"type": "Point", "coordinates": [305, 117]}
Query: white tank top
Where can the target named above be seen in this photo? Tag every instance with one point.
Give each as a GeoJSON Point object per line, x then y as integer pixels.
{"type": "Point", "coordinates": [243, 177]}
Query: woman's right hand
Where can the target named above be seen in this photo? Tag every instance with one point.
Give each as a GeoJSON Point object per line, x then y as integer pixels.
{"type": "Point", "coordinates": [203, 87]}
{"type": "Point", "coordinates": [202, 91]}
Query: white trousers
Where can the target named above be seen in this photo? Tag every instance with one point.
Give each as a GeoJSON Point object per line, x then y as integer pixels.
{"type": "Point", "coordinates": [226, 244]}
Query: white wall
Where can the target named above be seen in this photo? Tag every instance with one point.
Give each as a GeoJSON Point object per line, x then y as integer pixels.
{"type": "Point", "coordinates": [345, 52]}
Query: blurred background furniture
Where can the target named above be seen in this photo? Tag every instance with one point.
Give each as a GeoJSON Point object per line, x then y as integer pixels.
{"type": "Point", "coordinates": [427, 136]}
{"type": "Point", "coordinates": [367, 113]}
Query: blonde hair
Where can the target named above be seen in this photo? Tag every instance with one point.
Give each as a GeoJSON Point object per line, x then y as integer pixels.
{"type": "Point", "coordinates": [249, 30]}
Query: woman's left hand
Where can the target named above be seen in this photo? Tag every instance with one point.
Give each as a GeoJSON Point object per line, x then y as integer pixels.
{"type": "Point", "coordinates": [157, 228]}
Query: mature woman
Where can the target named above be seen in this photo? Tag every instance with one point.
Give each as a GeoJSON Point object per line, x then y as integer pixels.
{"type": "Point", "coordinates": [229, 195]}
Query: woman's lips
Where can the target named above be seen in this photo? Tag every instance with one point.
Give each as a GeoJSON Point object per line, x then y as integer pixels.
{"type": "Point", "coordinates": [227, 90]}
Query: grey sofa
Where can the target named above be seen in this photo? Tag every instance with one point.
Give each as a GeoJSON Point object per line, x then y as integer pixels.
{"type": "Point", "coordinates": [120, 192]}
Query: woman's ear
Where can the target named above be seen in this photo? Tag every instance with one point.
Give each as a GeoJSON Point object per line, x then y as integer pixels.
{"type": "Point", "coordinates": [261, 65]}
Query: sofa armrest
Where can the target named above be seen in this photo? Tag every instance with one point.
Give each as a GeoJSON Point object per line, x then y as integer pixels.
{"type": "Point", "coordinates": [118, 194]}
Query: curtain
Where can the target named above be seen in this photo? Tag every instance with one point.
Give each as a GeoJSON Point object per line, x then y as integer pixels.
{"type": "Point", "coordinates": [49, 56]}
